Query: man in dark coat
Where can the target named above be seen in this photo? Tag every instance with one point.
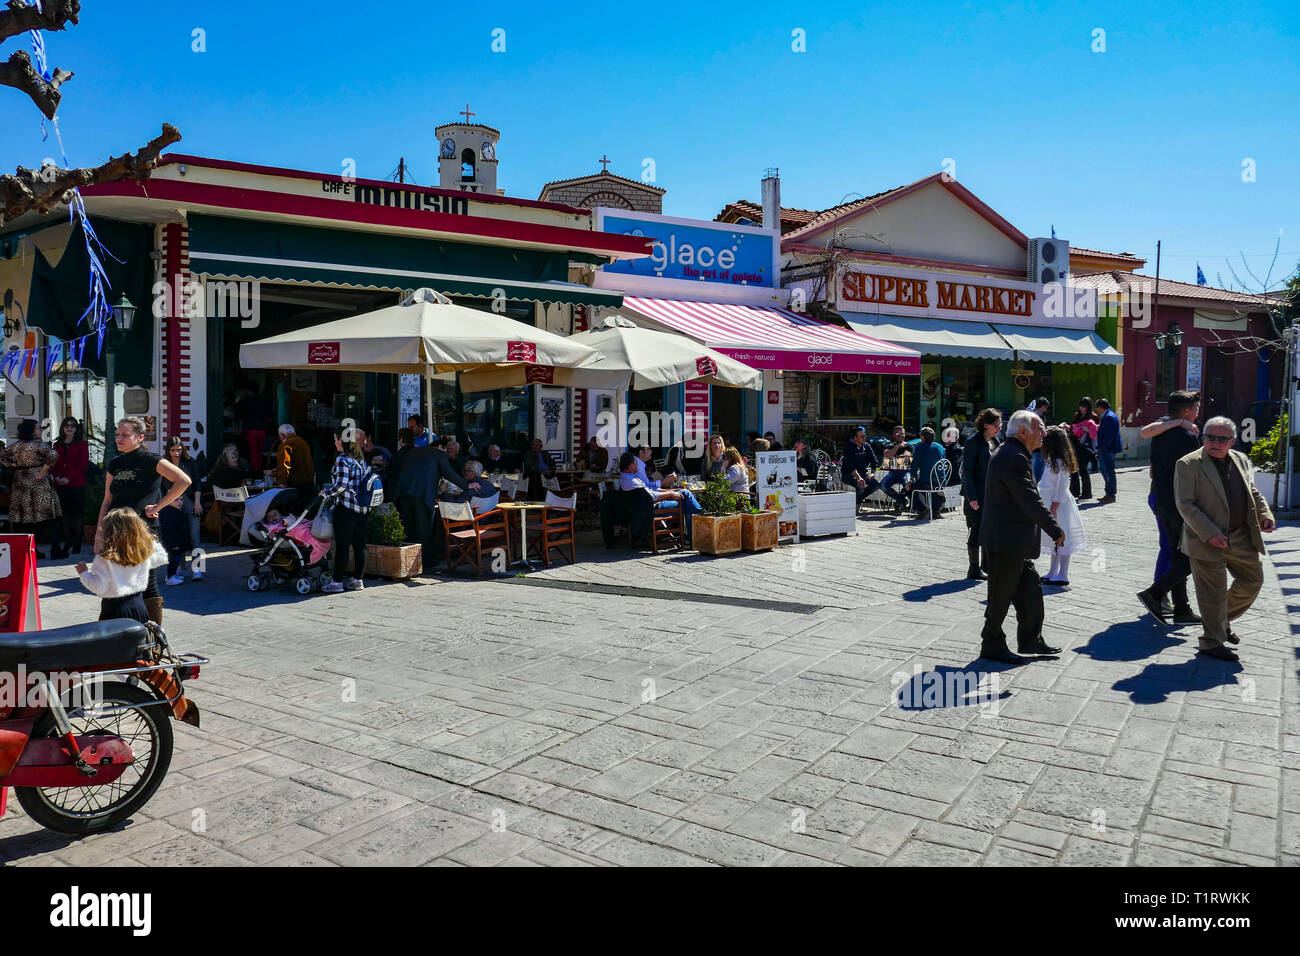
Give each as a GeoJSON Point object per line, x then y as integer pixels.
{"type": "Point", "coordinates": [417, 494]}
{"type": "Point", "coordinates": [974, 471]}
{"type": "Point", "coordinates": [1013, 514]}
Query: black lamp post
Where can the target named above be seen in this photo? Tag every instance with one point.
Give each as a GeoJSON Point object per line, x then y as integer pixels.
{"type": "Point", "coordinates": [123, 319]}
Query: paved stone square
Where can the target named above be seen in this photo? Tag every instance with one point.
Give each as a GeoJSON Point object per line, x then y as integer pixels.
{"type": "Point", "coordinates": [820, 704]}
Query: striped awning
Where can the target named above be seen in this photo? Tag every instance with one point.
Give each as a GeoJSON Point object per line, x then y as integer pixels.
{"type": "Point", "coordinates": [771, 338]}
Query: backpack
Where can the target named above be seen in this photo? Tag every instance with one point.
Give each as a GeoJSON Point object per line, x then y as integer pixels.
{"type": "Point", "coordinates": [370, 491]}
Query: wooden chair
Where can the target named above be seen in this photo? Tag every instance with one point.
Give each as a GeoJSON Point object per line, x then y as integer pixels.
{"type": "Point", "coordinates": [229, 503]}
{"type": "Point", "coordinates": [667, 524]}
{"type": "Point", "coordinates": [554, 530]}
{"type": "Point", "coordinates": [472, 539]}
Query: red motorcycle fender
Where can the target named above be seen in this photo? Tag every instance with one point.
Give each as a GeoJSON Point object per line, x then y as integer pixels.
{"type": "Point", "coordinates": [13, 738]}
{"type": "Point", "coordinates": [45, 763]}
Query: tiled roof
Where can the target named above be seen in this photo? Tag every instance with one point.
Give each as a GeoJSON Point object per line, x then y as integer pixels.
{"type": "Point", "coordinates": [490, 129]}
{"type": "Point", "coordinates": [834, 212]}
{"type": "Point", "coordinates": [1099, 254]}
{"type": "Point", "coordinates": [743, 208]}
{"type": "Point", "coordinates": [1110, 282]}
{"type": "Point", "coordinates": [601, 174]}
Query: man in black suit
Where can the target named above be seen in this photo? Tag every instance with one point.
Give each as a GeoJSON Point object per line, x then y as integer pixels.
{"type": "Point", "coordinates": [538, 464]}
{"type": "Point", "coordinates": [1013, 514]}
{"type": "Point", "coordinates": [417, 496]}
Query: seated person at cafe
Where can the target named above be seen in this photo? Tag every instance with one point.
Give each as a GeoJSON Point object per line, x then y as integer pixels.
{"type": "Point", "coordinates": [805, 462]}
{"type": "Point", "coordinates": [227, 473]}
{"type": "Point", "coordinates": [714, 461]}
{"type": "Point", "coordinates": [475, 486]}
{"type": "Point", "coordinates": [899, 452]}
{"type": "Point", "coordinates": [737, 474]}
{"type": "Point", "coordinates": [294, 467]}
{"type": "Point", "coordinates": [630, 480]}
{"type": "Point", "coordinates": [772, 443]}
{"type": "Point", "coordinates": [952, 450]}
{"type": "Point", "coordinates": [454, 456]}
{"type": "Point", "coordinates": [538, 464]}
{"type": "Point", "coordinates": [761, 444]}
{"type": "Point", "coordinates": [858, 466]}
{"type": "Point", "coordinates": [597, 455]}
{"type": "Point", "coordinates": [643, 453]}
{"type": "Point", "coordinates": [492, 459]}
{"type": "Point", "coordinates": [422, 435]}
{"type": "Point", "coordinates": [928, 454]}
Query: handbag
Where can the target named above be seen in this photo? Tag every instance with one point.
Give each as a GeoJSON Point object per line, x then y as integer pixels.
{"type": "Point", "coordinates": [322, 526]}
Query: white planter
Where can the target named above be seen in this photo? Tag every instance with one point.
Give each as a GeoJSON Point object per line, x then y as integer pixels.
{"type": "Point", "coordinates": [827, 513]}
{"type": "Point", "coordinates": [1264, 481]}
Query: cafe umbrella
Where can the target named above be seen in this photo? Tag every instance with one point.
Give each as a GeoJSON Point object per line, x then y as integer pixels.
{"type": "Point", "coordinates": [424, 335]}
{"type": "Point", "coordinates": [630, 357]}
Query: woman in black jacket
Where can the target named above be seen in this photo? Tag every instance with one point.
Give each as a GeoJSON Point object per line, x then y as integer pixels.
{"type": "Point", "coordinates": [975, 465]}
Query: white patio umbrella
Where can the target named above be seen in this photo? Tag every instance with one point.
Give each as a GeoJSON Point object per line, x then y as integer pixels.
{"type": "Point", "coordinates": [426, 334]}
{"type": "Point", "coordinates": [630, 358]}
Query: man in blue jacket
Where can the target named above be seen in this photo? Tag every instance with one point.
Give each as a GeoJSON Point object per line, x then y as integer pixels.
{"type": "Point", "coordinates": [1109, 445]}
{"type": "Point", "coordinates": [924, 459]}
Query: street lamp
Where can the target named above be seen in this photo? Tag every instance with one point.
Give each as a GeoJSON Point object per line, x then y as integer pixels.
{"type": "Point", "coordinates": [123, 319]}
{"type": "Point", "coordinates": [1175, 335]}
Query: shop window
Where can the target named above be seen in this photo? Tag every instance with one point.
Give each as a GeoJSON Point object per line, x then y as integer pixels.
{"type": "Point", "coordinates": [1166, 372]}
{"type": "Point", "coordinates": [850, 396]}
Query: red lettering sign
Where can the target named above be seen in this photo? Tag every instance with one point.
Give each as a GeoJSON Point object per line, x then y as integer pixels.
{"type": "Point", "coordinates": [774, 398]}
{"type": "Point", "coordinates": [323, 353]}
{"type": "Point", "coordinates": [521, 352]}
{"type": "Point", "coordinates": [539, 375]}
{"type": "Point", "coordinates": [706, 366]}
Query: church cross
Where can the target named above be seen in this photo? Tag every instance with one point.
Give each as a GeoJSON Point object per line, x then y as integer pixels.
{"type": "Point", "coordinates": [466, 113]}
{"type": "Point", "coordinates": [604, 164]}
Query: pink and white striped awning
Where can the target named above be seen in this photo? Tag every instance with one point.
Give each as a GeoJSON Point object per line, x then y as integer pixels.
{"type": "Point", "coordinates": [763, 337]}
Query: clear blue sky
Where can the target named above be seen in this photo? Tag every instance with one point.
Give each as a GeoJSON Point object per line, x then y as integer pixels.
{"type": "Point", "coordinates": [1116, 150]}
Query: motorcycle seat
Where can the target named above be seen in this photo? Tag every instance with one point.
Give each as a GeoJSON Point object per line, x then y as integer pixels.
{"type": "Point", "coordinates": [74, 648]}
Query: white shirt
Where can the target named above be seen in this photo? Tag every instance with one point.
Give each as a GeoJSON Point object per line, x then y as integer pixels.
{"type": "Point", "coordinates": [108, 579]}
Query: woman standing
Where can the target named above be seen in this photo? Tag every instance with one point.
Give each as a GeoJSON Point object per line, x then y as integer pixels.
{"type": "Point", "coordinates": [1055, 491]}
{"type": "Point", "coordinates": [32, 502]}
{"type": "Point", "coordinates": [132, 480]}
{"type": "Point", "coordinates": [975, 465]}
{"type": "Point", "coordinates": [350, 471]}
{"type": "Point", "coordinates": [1083, 439]}
{"type": "Point", "coordinates": [69, 477]}
{"type": "Point", "coordinates": [174, 520]}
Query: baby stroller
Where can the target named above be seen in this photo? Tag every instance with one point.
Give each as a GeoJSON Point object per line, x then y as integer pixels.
{"type": "Point", "coordinates": [287, 550]}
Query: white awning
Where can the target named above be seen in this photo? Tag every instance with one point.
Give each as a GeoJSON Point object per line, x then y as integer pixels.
{"type": "Point", "coordinates": [934, 336]}
{"type": "Point", "coordinates": [1059, 345]}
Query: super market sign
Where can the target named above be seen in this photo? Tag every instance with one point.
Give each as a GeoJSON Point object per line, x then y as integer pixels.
{"type": "Point", "coordinates": [694, 249]}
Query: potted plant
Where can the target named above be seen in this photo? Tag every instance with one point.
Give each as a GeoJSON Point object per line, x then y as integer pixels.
{"type": "Point", "coordinates": [717, 529]}
{"type": "Point", "coordinates": [387, 554]}
{"type": "Point", "coordinates": [1268, 455]}
{"type": "Point", "coordinates": [759, 529]}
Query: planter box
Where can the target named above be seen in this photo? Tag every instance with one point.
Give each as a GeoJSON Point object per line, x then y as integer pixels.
{"type": "Point", "coordinates": [829, 512]}
{"type": "Point", "coordinates": [716, 535]}
{"type": "Point", "coordinates": [396, 562]}
{"type": "Point", "coordinates": [1265, 480]}
{"type": "Point", "coordinates": [758, 532]}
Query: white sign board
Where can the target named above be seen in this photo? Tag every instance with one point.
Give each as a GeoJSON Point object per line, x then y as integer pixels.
{"type": "Point", "coordinates": [1195, 356]}
{"type": "Point", "coordinates": [778, 489]}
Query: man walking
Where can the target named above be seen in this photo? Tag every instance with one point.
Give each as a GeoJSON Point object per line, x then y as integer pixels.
{"type": "Point", "coordinates": [1166, 450]}
{"type": "Point", "coordinates": [1109, 444]}
{"type": "Point", "coordinates": [1009, 530]}
{"type": "Point", "coordinates": [1224, 516]}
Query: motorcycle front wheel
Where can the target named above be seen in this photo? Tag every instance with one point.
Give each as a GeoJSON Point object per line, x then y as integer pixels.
{"type": "Point", "coordinates": [84, 810]}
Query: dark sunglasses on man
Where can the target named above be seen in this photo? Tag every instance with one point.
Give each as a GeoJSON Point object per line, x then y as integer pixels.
{"type": "Point", "coordinates": [1218, 439]}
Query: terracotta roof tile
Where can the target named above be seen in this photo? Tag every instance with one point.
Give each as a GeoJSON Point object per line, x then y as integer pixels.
{"type": "Point", "coordinates": [1099, 254]}
{"type": "Point", "coordinates": [601, 174]}
{"type": "Point", "coordinates": [790, 218]}
{"type": "Point", "coordinates": [1108, 282]}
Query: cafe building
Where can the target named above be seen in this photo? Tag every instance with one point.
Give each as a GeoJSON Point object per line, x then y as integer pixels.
{"type": "Point", "coordinates": [718, 284]}
{"type": "Point", "coordinates": [216, 254]}
{"type": "Point", "coordinates": [932, 268]}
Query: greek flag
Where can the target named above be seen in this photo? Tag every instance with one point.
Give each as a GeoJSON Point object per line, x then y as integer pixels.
{"type": "Point", "coordinates": [1200, 276]}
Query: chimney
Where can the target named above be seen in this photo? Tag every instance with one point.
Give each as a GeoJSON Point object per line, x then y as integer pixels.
{"type": "Point", "coordinates": [772, 199]}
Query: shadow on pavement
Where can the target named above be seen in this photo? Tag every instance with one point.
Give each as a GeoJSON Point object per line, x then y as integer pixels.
{"type": "Point", "coordinates": [1129, 641]}
{"type": "Point", "coordinates": [975, 685]}
{"type": "Point", "coordinates": [943, 587]}
{"type": "Point", "coordinates": [1157, 681]}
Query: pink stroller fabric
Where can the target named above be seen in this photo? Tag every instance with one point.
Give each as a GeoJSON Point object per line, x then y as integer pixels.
{"type": "Point", "coordinates": [302, 534]}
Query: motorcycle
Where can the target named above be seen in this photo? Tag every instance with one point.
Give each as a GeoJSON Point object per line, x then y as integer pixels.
{"type": "Point", "coordinates": [85, 733]}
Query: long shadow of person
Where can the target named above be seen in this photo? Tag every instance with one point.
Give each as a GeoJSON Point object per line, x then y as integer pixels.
{"type": "Point", "coordinates": [975, 685]}
{"type": "Point", "coordinates": [1157, 681]}
{"type": "Point", "coordinates": [944, 587]}
{"type": "Point", "coordinates": [1128, 641]}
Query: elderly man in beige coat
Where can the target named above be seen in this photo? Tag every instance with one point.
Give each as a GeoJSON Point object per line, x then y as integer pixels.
{"type": "Point", "coordinates": [1224, 519]}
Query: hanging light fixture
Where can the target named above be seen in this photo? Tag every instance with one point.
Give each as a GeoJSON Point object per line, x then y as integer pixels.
{"type": "Point", "coordinates": [124, 314]}
{"type": "Point", "coordinates": [1160, 341]}
{"type": "Point", "coordinates": [1175, 335]}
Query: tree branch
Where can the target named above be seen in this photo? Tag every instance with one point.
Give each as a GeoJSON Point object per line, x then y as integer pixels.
{"type": "Point", "coordinates": [31, 190]}
{"type": "Point", "coordinates": [19, 17]}
{"type": "Point", "coordinates": [19, 73]}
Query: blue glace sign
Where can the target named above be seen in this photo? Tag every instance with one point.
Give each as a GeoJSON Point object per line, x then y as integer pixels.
{"type": "Point", "coordinates": [695, 249]}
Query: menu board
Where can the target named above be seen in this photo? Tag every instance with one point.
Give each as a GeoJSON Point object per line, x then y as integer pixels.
{"type": "Point", "coordinates": [778, 488]}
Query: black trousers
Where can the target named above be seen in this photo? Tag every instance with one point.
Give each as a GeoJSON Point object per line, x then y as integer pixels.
{"type": "Point", "coordinates": [349, 532]}
{"type": "Point", "coordinates": [417, 519]}
{"type": "Point", "coordinates": [973, 520]}
{"type": "Point", "coordinates": [1173, 583]}
{"type": "Point", "coordinates": [1086, 458]}
{"type": "Point", "coordinates": [1013, 580]}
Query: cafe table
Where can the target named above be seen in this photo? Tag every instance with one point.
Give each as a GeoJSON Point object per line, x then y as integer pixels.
{"type": "Point", "coordinates": [523, 507]}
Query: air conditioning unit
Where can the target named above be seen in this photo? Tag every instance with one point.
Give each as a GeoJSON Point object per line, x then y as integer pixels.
{"type": "Point", "coordinates": [1049, 261]}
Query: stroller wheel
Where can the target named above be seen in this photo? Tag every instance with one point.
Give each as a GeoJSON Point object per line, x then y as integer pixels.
{"type": "Point", "coordinates": [254, 582]}
{"type": "Point", "coordinates": [304, 585]}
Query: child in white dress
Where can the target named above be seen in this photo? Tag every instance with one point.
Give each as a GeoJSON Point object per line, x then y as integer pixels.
{"type": "Point", "coordinates": [1054, 487]}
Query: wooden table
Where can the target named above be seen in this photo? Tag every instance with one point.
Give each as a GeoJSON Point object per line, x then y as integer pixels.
{"type": "Point", "coordinates": [523, 507]}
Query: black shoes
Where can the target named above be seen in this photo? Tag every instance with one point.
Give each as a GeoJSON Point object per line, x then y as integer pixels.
{"type": "Point", "coordinates": [1039, 646]}
{"type": "Point", "coordinates": [1233, 638]}
{"type": "Point", "coordinates": [1221, 653]}
{"type": "Point", "coordinates": [1106, 500]}
{"type": "Point", "coordinates": [975, 574]}
{"type": "Point", "coordinates": [1186, 615]}
{"type": "Point", "coordinates": [1058, 584]}
{"type": "Point", "coordinates": [1001, 654]}
{"type": "Point", "coordinates": [1154, 607]}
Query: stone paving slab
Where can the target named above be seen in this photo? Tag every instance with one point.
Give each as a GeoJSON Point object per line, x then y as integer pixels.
{"type": "Point", "coordinates": [743, 710]}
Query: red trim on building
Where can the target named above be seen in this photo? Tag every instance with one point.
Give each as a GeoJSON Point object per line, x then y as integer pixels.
{"type": "Point", "coordinates": [172, 333]}
{"type": "Point", "coordinates": [286, 173]}
{"type": "Point", "coordinates": [468, 228]}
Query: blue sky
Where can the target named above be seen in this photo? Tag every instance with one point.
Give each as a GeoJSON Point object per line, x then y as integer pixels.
{"type": "Point", "coordinates": [1115, 149]}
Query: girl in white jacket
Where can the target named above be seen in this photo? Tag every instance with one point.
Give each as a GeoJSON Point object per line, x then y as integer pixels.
{"type": "Point", "coordinates": [125, 555]}
{"type": "Point", "coordinates": [1054, 487]}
